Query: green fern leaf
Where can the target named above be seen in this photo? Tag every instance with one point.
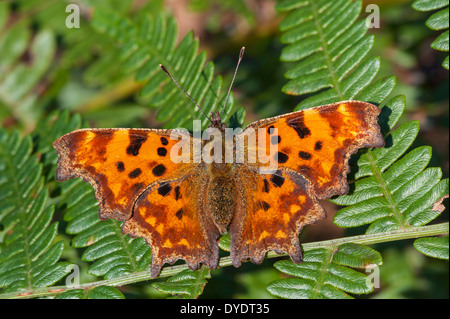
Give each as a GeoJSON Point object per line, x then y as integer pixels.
{"type": "Point", "coordinates": [225, 241]}
{"type": "Point", "coordinates": [29, 257]}
{"type": "Point", "coordinates": [436, 247]}
{"type": "Point", "coordinates": [325, 273]}
{"type": "Point", "coordinates": [101, 292]}
{"type": "Point", "coordinates": [150, 41]}
{"type": "Point", "coordinates": [437, 21]}
{"type": "Point", "coordinates": [186, 284]}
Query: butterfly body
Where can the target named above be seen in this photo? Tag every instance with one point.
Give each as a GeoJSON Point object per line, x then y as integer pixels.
{"type": "Point", "coordinates": [221, 201]}
{"type": "Point", "coordinates": [220, 191]}
{"type": "Point", "coordinates": [181, 207]}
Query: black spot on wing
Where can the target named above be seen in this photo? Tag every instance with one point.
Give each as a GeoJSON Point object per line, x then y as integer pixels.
{"type": "Point", "coordinates": [164, 189]}
{"type": "Point", "coordinates": [120, 166]}
{"type": "Point", "coordinates": [177, 193]}
{"type": "Point", "coordinates": [275, 139]}
{"type": "Point", "coordinates": [135, 173]}
{"type": "Point", "coordinates": [304, 155]}
{"type": "Point", "coordinates": [277, 180]}
{"type": "Point", "coordinates": [159, 170]}
{"type": "Point", "coordinates": [164, 141]}
{"type": "Point", "coordinates": [298, 124]}
{"type": "Point", "coordinates": [162, 151]}
{"type": "Point", "coordinates": [281, 157]}
{"type": "Point", "coordinates": [266, 186]}
{"type": "Point", "coordinates": [265, 206]}
{"type": "Point", "coordinates": [136, 142]}
{"type": "Point", "coordinates": [318, 146]}
{"type": "Point", "coordinates": [179, 213]}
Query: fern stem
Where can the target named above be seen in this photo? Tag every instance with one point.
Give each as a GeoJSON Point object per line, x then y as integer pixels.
{"type": "Point", "coordinates": [367, 239]}
{"type": "Point", "coordinates": [125, 244]}
{"type": "Point", "coordinates": [324, 269]}
{"type": "Point", "coordinates": [386, 192]}
{"type": "Point", "coordinates": [328, 58]}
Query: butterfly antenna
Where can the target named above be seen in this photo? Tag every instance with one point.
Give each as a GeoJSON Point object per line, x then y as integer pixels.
{"type": "Point", "coordinates": [176, 82]}
{"type": "Point", "coordinates": [241, 54]}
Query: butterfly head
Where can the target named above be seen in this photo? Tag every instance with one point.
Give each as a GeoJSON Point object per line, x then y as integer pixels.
{"type": "Point", "coordinates": [216, 121]}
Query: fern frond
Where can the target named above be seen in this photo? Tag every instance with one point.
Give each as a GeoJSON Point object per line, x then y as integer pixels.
{"type": "Point", "coordinates": [29, 257]}
{"type": "Point", "coordinates": [326, 273]}
{"type": "Point", "coordinates": [388, 192]}
{"type": "Point", "coordinates": [437, 21]}
{"type": "Point", "coordinates": [150, 41]}
{"type": "Point", "coordinates": [186, 284]}
{"type": "Point", "coordinates": [326, 49]}
{"type": "Point", "coordinates": [25, 59]}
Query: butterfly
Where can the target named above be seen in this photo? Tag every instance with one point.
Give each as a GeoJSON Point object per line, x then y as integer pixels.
{"type": "Point", "coordinates": [181, 207]}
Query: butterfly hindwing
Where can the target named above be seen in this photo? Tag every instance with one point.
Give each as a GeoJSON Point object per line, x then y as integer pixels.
{"type": "Point", "coordinates": [170, 216]}
{"type": "Point", "coordinates": [271, 211]}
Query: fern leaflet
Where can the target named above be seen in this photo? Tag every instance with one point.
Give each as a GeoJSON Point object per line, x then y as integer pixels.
{"type": "Point", "coordinates": [324, 273]}
{"type": "Point", "coordinates": [101, 292]}
{"type": "Point", "coordinates": [437, 21]}
{"type": "Point", "coordinates": [186, 284]}
{"type": "Point", "coordinates": [29, 257]}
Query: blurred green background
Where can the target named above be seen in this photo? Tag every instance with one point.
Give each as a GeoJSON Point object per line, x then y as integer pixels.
{"type": "Point", "coordinates": [53, 68]}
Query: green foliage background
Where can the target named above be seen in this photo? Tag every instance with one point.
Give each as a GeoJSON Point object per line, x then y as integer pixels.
{"type": "Point", "coordinates": [299, 54]}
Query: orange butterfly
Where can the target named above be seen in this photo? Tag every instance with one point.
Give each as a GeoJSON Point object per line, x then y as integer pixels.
{"type": "Point", "coordinates": [182, 207]}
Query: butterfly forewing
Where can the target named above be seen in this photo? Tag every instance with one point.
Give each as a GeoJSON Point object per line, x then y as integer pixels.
{"type": "Point", "coordinates": [318, 142]}
{"type": "Point", "coordinates": [119, 163]}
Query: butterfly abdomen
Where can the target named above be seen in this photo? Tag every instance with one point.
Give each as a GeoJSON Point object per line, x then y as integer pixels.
{"type": "Point", "coordinates": [221, 200]}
